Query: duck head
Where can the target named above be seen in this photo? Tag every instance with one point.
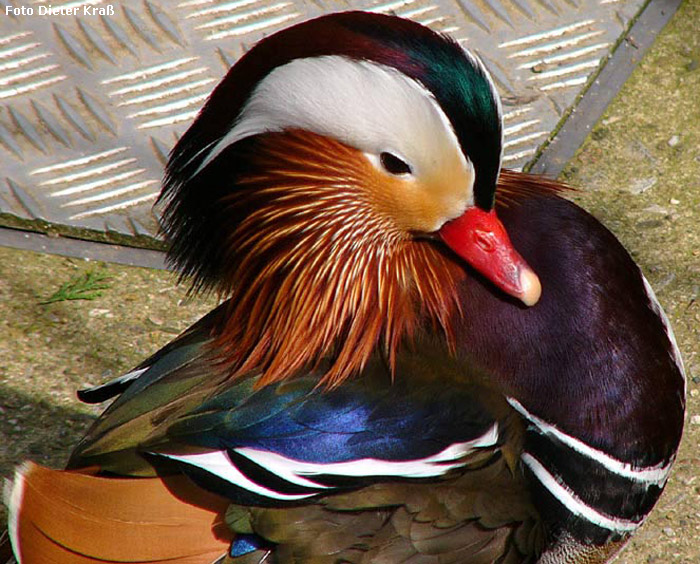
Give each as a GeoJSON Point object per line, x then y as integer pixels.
{"type": "Point", "coordinates": [326, 186]}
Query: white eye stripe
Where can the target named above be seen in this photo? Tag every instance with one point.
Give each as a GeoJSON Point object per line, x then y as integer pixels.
{"type": "Point", "coordinates": [361, 103]}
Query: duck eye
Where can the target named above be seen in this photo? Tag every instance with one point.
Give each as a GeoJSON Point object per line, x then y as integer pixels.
{"type": "Point", "coordinates": [393, 164]}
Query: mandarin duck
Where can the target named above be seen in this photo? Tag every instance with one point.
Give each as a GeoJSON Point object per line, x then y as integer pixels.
{"type": "Point", "coordinates": [388, 380]}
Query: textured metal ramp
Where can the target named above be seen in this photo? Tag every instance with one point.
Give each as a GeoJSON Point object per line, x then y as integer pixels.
{"type": "Point", "coordinates": [91, 104]}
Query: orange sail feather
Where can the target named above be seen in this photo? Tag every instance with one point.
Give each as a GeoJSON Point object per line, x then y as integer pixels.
{"type": "Point", "coordinates": [77, 518]}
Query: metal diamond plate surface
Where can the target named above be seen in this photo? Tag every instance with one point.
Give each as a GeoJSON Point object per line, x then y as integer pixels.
{"type": "Point", "coordinates": [91, 103]}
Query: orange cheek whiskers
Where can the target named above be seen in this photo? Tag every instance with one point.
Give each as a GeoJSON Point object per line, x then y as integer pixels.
{"type": "Point", "coordinates": [317, 275]}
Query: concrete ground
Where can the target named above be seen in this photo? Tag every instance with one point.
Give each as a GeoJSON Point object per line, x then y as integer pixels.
{"type": "Point", "coordinates": [639, 172]}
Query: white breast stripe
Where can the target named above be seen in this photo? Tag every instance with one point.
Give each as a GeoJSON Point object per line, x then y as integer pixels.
{"type": "Point", "coordinates": [658, 310]}
{"type": "Point", "coordinates": [650, 474]}
{"type": "Point", "coordinates": [218, 464]}
{"type": "Point", "coordinates": [432, 466]}
{"type": "Point", "coordinates": [569, 499]}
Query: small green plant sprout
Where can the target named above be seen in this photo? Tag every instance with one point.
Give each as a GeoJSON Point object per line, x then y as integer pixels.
{"type": "Point", "coordinates": [85, 286]}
